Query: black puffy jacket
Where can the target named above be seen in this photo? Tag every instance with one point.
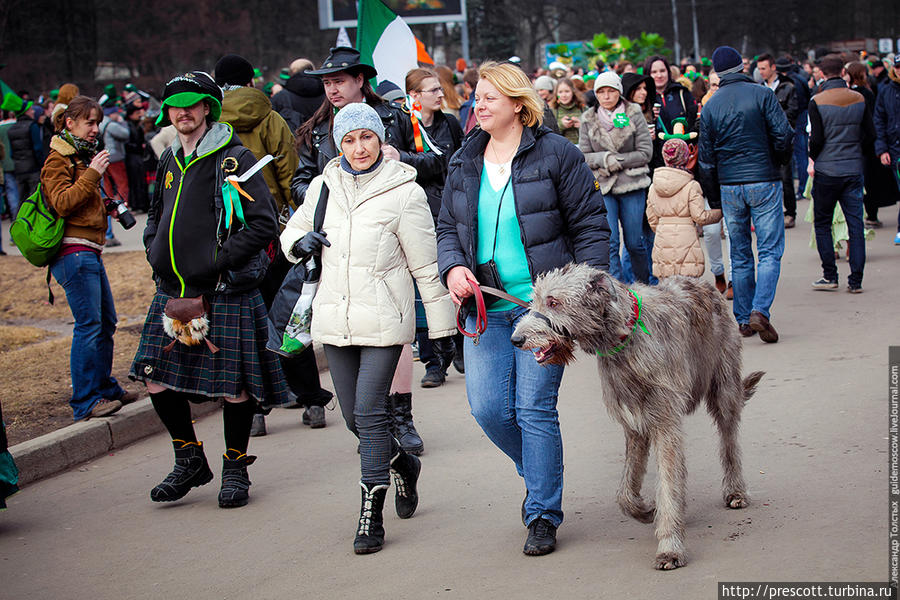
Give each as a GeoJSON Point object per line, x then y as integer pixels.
{"type": "Point", "coordinates": [302, 95]}
{"type": "Point", "coordinates": [558, 203]}
{"type": "Point", "coordinates": [446, 133]}
{"type": "Point", "coordinates": [23, 136]}
{"type": "Point", "coordinates": [887, 120]}
{"type": "Point", "coordinates": [675, 102]}
{"type": "Point", "coordinates": [744, 134]}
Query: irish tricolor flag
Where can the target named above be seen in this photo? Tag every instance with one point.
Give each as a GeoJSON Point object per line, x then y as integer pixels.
{"type": "Point", "coordinates": [386, 42]}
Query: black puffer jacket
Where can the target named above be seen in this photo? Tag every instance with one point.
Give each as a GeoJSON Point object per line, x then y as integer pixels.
{"type": "Point", "coordinates": [446, 133]}
{"type": "Point", "coordinates": [22, 136]}
{"type": "Point", "coordinates": [558, 203]}
{"type": "Point", "coordinates": [302, 95]}
{"type": "Point", "coordinates": [181, 238]}
{"type": "Point", "coordinates": [675, 102]}
{"type": "Point", "coordinates": [744, 134]}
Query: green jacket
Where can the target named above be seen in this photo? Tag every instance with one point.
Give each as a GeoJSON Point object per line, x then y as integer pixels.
{"type": "Point", "coordinates": [263, 131]}
{"type": "Point", "coordinates": [570, 133]}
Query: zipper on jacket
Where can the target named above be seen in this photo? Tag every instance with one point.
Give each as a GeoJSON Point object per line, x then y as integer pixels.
{"type": "Point", "coordinates": [175, 209]}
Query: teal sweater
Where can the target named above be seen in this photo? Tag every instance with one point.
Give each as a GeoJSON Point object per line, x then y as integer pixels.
{"type": "Point", "coordinates": [512, 264]}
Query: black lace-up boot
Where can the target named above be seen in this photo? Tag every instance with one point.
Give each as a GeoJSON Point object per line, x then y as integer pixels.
{"type": "Point", "coordinates": [191, 470]}
{"type": "Point", "coordinates": [405, 468]}
{"type": "Point", "coordinates": [370, 530]}
{"type": "Point", "coordinates": [402, 426]}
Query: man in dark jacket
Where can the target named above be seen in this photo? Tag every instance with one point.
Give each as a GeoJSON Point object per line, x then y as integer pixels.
{"type": "Point", "coordinates": [887, 128]}
{"type": "Point", "coordinates": [346, 80]}
{"type": "Point", "coordinates": [788, 68]}
{"type": "Point", "coordinates": [784, 90]}
{"type": "Point", "coordinates": [264, 132]}
{"type": "Point", "coordinates": [301, 95]}
{"type": "Point", "coordinates": [26, 140]}
{"type": "Point", "coordinates": [195, 250]}
{"type": "Point", "coordinates": [840, 126]}
{"type": "Point", "coordinates": [744, 138]}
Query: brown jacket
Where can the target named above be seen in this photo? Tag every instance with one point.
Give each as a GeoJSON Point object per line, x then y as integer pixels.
{"type": "Point", "coordinates": [674, 205]}
{"type": "Point", "coordinates": [75, 199]}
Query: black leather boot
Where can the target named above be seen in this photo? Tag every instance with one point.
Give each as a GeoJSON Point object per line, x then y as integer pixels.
{"type": "Point", "coordinates": [370, 530]}
{"type": "Point", "coordinates": [402, 426]}
{"type": "Point", "coordinates": [235, 481]}
{"type": "Point", "coordinates": [406, 468]}
{"type": "Point", "coordinates": [191, 470]}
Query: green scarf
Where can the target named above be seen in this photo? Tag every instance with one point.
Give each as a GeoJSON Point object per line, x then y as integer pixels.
{"type": "Point", "coordinates": [84, 148]}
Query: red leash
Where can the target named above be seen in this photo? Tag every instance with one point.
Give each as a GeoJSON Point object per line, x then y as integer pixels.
{"type": "Point", "coordinates": [481, 308]}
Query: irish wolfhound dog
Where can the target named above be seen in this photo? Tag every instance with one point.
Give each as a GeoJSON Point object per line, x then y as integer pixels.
{"type": "Point", "coordinates": [654, 370]}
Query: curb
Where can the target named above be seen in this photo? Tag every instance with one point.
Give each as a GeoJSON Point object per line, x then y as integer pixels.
{"type": "Point", "coordinates": [80, 442]}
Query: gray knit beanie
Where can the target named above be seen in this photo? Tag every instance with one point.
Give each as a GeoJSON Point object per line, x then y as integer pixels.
{"type": "Point", "coordinates": [357, 115]}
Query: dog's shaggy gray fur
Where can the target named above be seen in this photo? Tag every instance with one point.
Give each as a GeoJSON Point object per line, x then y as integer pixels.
{"type": "Point", "coordinates": [691, 354]}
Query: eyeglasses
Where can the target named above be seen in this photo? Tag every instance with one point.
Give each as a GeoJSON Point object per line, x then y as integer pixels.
{"type": "Point", "coordinates": [437, 90]}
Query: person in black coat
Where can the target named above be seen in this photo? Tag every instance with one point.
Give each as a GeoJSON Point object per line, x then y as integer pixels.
{"type": "Point", "coordinates": [673, 101]}
{"type": "Point", "coordinates": [301, 95]}
{"type": "Point", "coordinates": [439, 133]}
{"type": "Point", "coordinates": [519, 201]}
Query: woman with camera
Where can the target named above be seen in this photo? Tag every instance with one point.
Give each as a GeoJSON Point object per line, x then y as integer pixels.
{"type": "Point", "coordinates": [376, 238]}
{"type": "Point", "coordinates": [70, 182]}
{"type": "Point", "coordinates": [518, 201]}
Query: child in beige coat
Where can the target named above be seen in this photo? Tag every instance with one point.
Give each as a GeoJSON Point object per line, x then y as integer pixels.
{"type": "Point", "coordinates": [674, 207]}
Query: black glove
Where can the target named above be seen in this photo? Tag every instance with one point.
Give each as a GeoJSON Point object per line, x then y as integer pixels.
{"type": "Point", "coordinates": [310, 243]}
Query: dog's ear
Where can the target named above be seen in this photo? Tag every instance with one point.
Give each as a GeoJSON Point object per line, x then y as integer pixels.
{"type": "Point", "coordinates": [602, 281]}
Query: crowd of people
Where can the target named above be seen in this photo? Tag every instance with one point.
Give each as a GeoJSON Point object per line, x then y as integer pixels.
{"type": "Point", "coordinates": [407, 196]}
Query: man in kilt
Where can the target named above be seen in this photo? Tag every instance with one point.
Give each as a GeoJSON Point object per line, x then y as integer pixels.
{"type": "Point", "coordinates": [206, 244]}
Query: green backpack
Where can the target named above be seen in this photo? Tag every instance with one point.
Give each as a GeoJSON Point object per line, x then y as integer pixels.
{"type": "Point", "coordinates": [37, 230]}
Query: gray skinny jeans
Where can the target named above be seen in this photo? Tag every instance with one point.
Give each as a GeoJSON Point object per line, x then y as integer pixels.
{"type": "Point", "coordinates": [362, 379]}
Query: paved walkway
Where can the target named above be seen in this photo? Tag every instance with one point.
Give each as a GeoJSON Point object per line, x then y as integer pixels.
{"type": "Point", "coordinates": [815, 458]}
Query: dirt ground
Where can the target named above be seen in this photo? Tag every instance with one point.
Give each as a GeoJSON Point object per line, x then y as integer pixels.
{"type": "Point", "coordinates": [36, 338]}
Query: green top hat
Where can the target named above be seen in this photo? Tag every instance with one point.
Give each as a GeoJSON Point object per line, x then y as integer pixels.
{"type": "Point", "coordinates": [14, 103]}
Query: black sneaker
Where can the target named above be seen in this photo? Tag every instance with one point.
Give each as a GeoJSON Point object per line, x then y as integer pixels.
{"type": "Point", "coordinates": [541, 538]}
{"type": "Point", "coordinates": [434, 377]}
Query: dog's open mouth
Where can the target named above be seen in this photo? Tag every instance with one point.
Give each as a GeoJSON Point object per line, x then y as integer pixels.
{"type": "Point", "coordinates": [542, 355]}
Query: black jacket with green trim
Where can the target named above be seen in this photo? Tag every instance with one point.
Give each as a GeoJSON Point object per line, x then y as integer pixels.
{"type": "Point", "coordinates": [181, 238]}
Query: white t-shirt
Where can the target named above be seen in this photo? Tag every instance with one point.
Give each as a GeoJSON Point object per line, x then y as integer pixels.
{"type": "Point", "coordinates": [498, 173]}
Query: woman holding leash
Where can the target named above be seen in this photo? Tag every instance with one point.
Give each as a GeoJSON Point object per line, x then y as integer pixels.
{"type": "Point", "coordinates": [536, 208]}
{"type": "Point", "coordinates": [376, 238]}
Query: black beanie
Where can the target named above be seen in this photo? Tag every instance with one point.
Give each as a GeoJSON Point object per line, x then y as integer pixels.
{"type": "Point", "coordinates": [233, 70]}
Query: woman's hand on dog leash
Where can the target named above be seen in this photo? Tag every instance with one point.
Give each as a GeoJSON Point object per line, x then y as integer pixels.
{"type": "Point", "coordinates": [458, 283]}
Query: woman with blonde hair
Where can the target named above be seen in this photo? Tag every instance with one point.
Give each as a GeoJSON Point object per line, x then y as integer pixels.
{"type": "Point", "coordinates": [537, 208]}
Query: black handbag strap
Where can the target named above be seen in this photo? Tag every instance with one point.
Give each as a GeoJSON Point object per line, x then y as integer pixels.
{"type": "Point", "coordinates": [319, 217]}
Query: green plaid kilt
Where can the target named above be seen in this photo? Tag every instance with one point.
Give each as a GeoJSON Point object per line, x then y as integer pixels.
{"type": "Point", "coordinates": [238, 327]}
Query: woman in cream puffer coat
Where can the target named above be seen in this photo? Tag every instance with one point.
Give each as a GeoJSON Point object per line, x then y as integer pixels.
{"type": "Point", "coordinates": [377, 237]}
{"type": "Point", "coordinates": [381, 232]}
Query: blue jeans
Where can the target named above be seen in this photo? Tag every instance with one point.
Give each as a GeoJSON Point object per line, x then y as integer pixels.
{"type": "Point", "coordinates": [513, 399]}
{"type": "Point", "coordinates": [11, 189]}
{"type": "Point", "coordinates": [754, 285]}
{"type": "Point", "coordinates": [629, 210]}
{"type": "Point", "coordinates": [827, 192]}
{"type": "Point", "coordinates": [83, 277]}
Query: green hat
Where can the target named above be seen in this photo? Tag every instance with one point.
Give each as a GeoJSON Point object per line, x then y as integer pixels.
{"type": "Point", "coordinates": [54, 94]}
{"type": "Point", "coordinates": [130, 87]}
{"type": "Point", "coordinates": [14, 103]}
{"type": "Point", "coordinates": [187, 90]}
{"type": "Point", "coordinates": [257, 73]}
{"type": "Point", "coordinates": [267, 88]}
{"type": "Point", "coordinates": [705, 61]}
{"type": "Point", "coordinates": [285, 74]}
